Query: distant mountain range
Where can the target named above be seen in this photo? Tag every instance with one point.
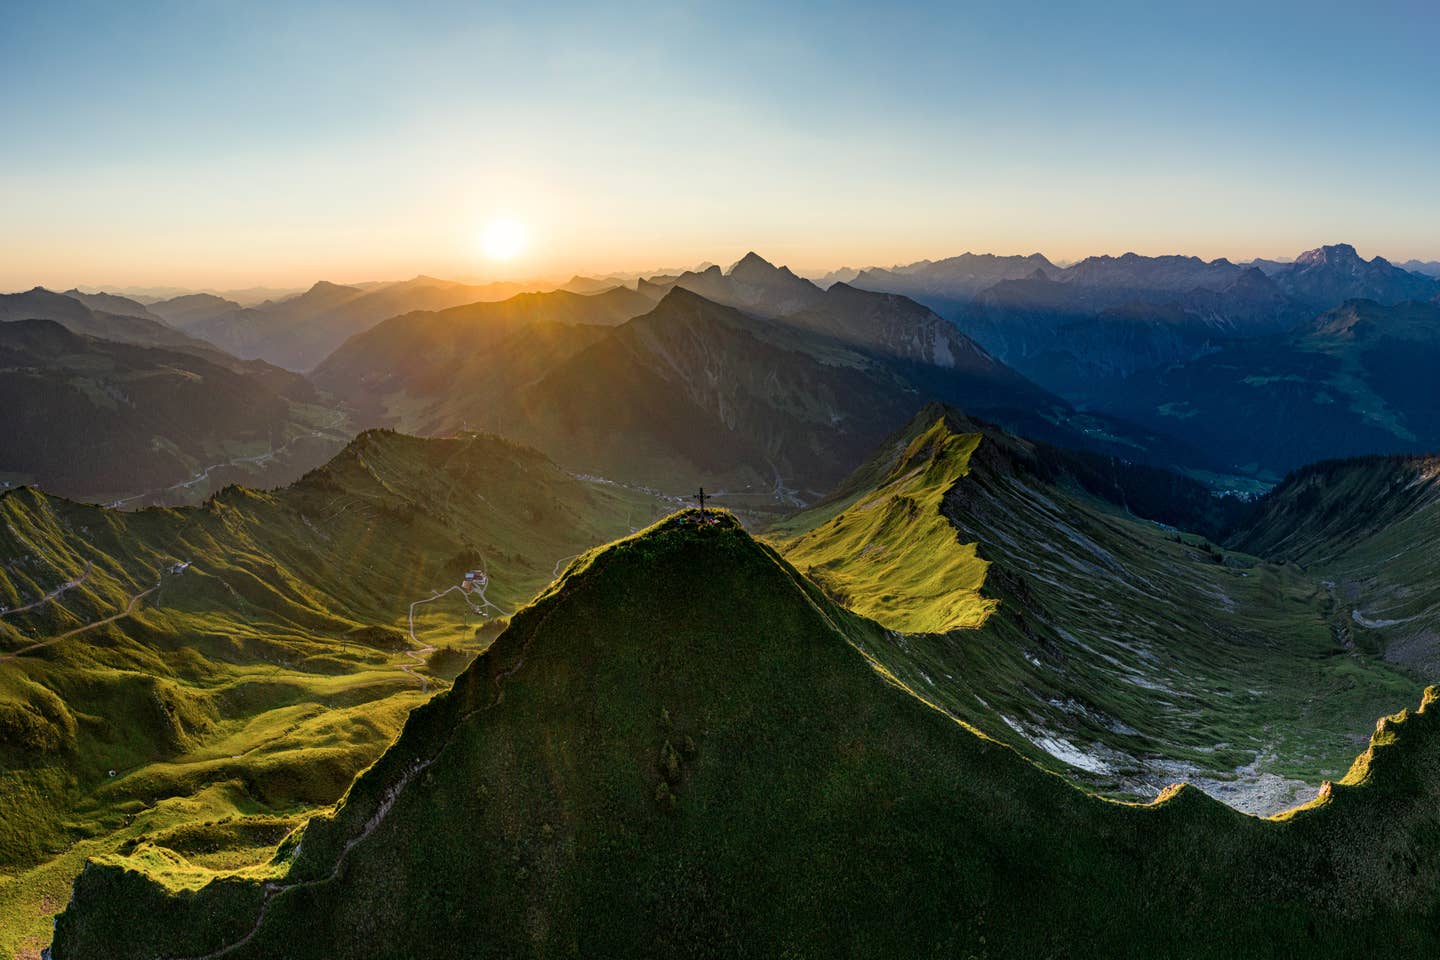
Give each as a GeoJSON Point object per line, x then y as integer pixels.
{"type": "Point", "coordinates": [1109, 353]}
{"type": "Point", "coordinates": [298, 332]}
{"type": "Point", "coordinates": [1324, 277]}
{"type": "Point", "coordinates": [777, 387]}
{"type": "Point", "coordinates": [1178, 328]}
{"type": "Point", "coordinates": [146, 295]}
{"type": "Point", "coordinates": [1316, 273]}
{"type": "Point", "coordinates": [954, 278]}
{"type": "Point", "coordinates": [1430, 268]}
{"type": "Point", "coordinates": [85, 317]}
{"type": "Point", "coordinates": [113, 304]}
{"type": "Point", "coordinates": [752, 284]}
{"type": "Point", "coordinates": [439, 371]}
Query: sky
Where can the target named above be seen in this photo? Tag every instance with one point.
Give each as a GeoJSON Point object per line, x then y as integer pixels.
{"type": "Point", "coordinates": [225, 144]}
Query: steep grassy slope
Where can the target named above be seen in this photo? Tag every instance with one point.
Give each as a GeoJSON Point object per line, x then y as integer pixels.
{"type": "Point", "coordinates": [933, 584]}
{"type": "Point", "coordinates": [678, 751]}
{"type": "Point", "coordinates": [1367, 528]}
{"type": "Point", "coordinates": [1106, 646]}
{"type": "Point", "coordinates": [235, 694]}
{"type": "Point", "coordinates": [107, 420]}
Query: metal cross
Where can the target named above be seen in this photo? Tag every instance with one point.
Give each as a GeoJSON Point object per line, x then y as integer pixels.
{"type": "Point", "coordinates": [702, 498]}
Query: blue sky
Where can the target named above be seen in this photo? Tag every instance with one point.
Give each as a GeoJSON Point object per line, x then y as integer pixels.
{"type": "Point", "coordinates": [210, 143]}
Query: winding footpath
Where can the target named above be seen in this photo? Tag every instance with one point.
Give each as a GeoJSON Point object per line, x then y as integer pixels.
{"type": "Point", "coordinates": [129, 609]}
{"type": "Point", "coordinates": [422, 649]}
{"type": "Point", "coordinates": [71, 585]}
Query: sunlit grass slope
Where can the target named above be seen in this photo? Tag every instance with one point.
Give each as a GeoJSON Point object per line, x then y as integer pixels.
{"type": "Point", "coordinates": [680, 751]}
{"type": "Point", "coordinates": [891, 556]}
{"type": "Point", "coordinates": [249, 688]}
{"type": "Point", "coordinates": [1108, 647]}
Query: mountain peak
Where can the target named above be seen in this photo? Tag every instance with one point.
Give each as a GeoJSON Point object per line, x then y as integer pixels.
{"type": "Point", "coordinates": [1252, 279]}
{"type": "Point", "coordinates": [754, 265]}
{"type": "Point", "coordinates": [1334, 254]}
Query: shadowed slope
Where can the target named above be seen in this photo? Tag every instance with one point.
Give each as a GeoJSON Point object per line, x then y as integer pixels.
{"type": "Point", "coordinates": [433, 371]}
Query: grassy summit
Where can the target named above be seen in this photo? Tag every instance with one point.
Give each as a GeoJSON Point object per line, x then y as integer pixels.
{"type": "Point", "coordinates": [680, 750]}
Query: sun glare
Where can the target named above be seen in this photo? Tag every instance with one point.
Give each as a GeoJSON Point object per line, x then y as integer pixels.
{"type": "Point", "coordinates": [504, 239]}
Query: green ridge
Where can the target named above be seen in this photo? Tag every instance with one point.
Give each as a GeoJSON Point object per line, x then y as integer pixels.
{"type": "Point", "coordinates": [891, 556]}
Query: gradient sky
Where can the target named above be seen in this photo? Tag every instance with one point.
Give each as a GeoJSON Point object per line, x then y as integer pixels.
{"type": "Point", "coordinates": [225, 144]}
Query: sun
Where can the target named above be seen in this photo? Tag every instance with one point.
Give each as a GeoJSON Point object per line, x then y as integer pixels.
{"type": "Point", "coordinates": [504, 239]}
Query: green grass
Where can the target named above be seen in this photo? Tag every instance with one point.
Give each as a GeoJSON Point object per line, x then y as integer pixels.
{"type": "Point", "coordinates": [679, 750]}
{"type": "Point", "coordinates": [271, 666]}
{"type": "Point", "coordinates": [891, 556]}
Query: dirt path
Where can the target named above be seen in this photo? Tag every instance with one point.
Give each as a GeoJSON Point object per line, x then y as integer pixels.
{"type": "Point", "coordinates": [71, 585]}
{"type": "Point", "coordinates": [782, 493]}
{"type": "Point", "coordinates": [422, 649]}
{"type": "Point", "coordinates": [129, 609]}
